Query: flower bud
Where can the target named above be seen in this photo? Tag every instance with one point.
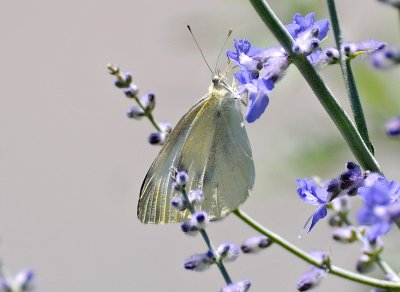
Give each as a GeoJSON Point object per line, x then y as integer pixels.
{"type": "Point", "coordinates": [228, 252]}
{"type": "Point", "coordinates": [365, 264]}
{"type": "Point", "coordinates": [24, 280]}
{"type": "Point", "coordinates": [135, 112]}
{"type": "Point", "coordinates": [345, 234]}
{"type": "Point", "coordinates": [196, 197]}
{"type": "Point", "coordinates": [181, 178]}
{"type": "Point", "coordinates": [310, 279]}
{"type": "Point", "coordinates": [189, 228]}
{"type": "Point", "coordinates": [179, 203]}
{"type": "Point", "coordinates": [241, 286]}
{"type": "Point", "coordinates": [200, 219]}
{"type": "Point", "coordinates": [199, 262]}
{"type": "Point", "coordinates": [131, 91]}
{"type": "Point", "coordinates": [255, 244]}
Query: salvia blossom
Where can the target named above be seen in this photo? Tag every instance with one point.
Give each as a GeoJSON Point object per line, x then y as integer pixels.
{"type": "Point", "coordinates": [320, 195]}
{"type": "Point", "coordinates": [307, 34]}
{"type": "Point", "coordinates": [200, 262]}
{"type": "Point", "coordinates": [241, 286]}
{"type": "Point", "coordinates": [255, 244]}
{"type": "Point", "coordinates": [393, 127]}
{"type": "Point", "coordinates": [260, 69]}
{"type": "Point", "coordinates": [228, 252]}
{"type": "Point", "coordinates": [313, 194]}
{"type": "Point", "coordinates": [378, 199]}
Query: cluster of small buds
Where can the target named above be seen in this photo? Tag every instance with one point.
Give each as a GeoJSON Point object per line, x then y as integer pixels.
{"type": "Point", "coordinates": [241, 286]}
{"type": "Point", "coordinates": [200, 262]}
{"type": "Point", "coordinates": [352, 50]}
{"type": "Point", "coordinates": [180, 179]}
{"type": "Point", "coordinates": [22, 281]}
{"type": "Point", "coordinates": [369, 252]}
{"type": "Point", "coordinates": [393, 127]}
{"type": "Point", "coordinates": [386, 59]}
{"type": "Point", "coordinates": [255, 244]}
{"type": "Point", "coordinates": [144, 107]}
{"type": "Point", "coordinates": [314, 276]}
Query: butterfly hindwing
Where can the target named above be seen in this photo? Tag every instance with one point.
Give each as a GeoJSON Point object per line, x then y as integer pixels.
{"type": "Point", "coordinates": [210, 143]}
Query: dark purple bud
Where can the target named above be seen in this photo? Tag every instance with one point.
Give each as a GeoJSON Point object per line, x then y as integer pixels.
{"type": "Point", "coordinates": [135, 112]}
{"type": "Point", "coordinates": [241, 286]}
{"type": "Point", "coordinates": [188, 228]}
{"type": "Point", "coordinates": [179, 203]}
{"type": "Point", "coordinates": [255, 244]}
{"type": "Point", "coordinates": [310, 279]}
{"type": "Point", "coordinates": [393, 126]}
{"type": "Point", "coordinates": [181, 178]}
{"type": "Point", "coordinates": [198, 262]}
{"type": "Point", "coordinates": [365, 264]}
{"type": "Point", "coordinates": [228, 252]}
{"type": "Point", "coordinates": [131, 91]}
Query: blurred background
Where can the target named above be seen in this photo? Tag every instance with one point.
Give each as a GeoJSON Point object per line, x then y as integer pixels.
{"type": "Point", "coordinates": [71, 162]}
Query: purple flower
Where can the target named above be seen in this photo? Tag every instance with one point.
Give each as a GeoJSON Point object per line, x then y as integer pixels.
{"type": "Point", "coordinates": [243, 54]}
{"type": "Point", "coordinates": [378, 199]}
{"type": "Point", "coordinates": [307, 35]}
{"type": "Point", "coordinates": [255, 244]}
{"type": "Point", "coordinates": [257, 89]}
{"type": "Point", "coordinates": [302, 24]}
{"type": "Point", "coordinates": [393, 127]}
{"type": "Point", "coordinates": [310, 193]}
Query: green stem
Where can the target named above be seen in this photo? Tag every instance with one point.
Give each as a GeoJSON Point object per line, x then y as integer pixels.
{"type": "Point", "coordinates": [328, 101]}
{"type": "Point", "coordinates": [209, 244]}
{"type": "Point", "coordinates": [334, 270]}
{"type": "Point", "coordinates": [348, 77]}
{"type": "Point", "coordinates": [149, 115]}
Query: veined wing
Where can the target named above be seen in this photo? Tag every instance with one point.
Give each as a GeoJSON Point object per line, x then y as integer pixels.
{"type": "Point", "coordinates": [210, 143]}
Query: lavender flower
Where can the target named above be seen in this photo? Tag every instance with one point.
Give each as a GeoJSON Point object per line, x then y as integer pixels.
{"type": "Point", "coordinates": [307, 35]}
{"type": "Point", "coordinates": [313, 194]}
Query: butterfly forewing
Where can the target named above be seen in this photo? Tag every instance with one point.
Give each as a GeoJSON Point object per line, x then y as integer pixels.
{"type": "Point", "coordinates": [211, 144]}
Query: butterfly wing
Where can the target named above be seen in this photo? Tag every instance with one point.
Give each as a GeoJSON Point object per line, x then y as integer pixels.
{"type": "Point", "coordinates": [210, 143]}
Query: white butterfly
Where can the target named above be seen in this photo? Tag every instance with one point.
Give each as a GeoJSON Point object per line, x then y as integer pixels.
{"type": "Point", "coordinates": [210, 143]}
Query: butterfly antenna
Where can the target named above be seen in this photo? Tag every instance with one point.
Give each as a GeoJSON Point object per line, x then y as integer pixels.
{"type": "Point", "coordinates": [198, 46]}
{"type": "Point", "coordinates": [223, 47]}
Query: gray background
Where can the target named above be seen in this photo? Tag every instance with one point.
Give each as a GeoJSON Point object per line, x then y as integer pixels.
{"type": "Point", "coordinates": [71, 163]}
